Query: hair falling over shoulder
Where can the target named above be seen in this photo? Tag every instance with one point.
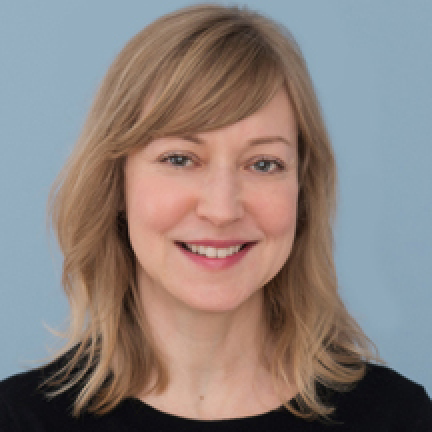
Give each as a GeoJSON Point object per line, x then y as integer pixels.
{"type": "Point", "coordinates": [188, 69]}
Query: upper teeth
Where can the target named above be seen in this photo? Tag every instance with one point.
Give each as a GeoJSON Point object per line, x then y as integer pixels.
{"type": "Point", "coordinates": [212, 252]}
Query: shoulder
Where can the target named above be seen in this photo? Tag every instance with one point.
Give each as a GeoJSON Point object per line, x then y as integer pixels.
{"type": "Point", "coordinates": [388, 384]}
{"type": "Point", "coordinates": [25, 406]}
{"type": "Point", "coordinates": [386, 398]}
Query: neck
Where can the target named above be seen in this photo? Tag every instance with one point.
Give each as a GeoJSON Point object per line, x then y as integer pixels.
{"type": "Point", "coordinates": [210, 355]}
{"type": "Point", "coordinates": [205, 343]}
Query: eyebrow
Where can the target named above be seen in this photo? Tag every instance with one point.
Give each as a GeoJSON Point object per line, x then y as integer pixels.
{"type": "Point", "coordinates": [253, 142]}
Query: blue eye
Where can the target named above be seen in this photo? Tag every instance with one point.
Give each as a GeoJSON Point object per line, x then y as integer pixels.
{"type": "Point", "coordinates": [268, 165]}
{"type": "Point", "coordinates": [177, 160]}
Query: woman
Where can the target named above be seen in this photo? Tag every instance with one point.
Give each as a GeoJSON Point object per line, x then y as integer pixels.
{"type": "Point", "coordinates": [194, 216]}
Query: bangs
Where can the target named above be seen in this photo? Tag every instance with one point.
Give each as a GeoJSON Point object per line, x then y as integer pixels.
{"type": "Point", "coordinates": [220, 74]}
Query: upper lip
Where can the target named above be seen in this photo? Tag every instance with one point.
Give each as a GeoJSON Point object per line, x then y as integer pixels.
{"type": "Point", "coordinates": [218, 243]}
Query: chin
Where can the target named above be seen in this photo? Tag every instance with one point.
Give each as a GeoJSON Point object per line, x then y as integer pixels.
{"type": "Point", "coordinates": [223, 303]}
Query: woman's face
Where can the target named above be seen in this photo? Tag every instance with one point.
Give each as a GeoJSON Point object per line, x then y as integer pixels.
{"type": "Point", "coordinates": [225, 188]}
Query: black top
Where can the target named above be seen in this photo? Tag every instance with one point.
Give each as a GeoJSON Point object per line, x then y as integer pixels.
{"type": "Point", "coordinates": [383, 401]}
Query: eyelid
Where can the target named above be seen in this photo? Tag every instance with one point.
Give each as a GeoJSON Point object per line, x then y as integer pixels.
{"type": "Point", "coordinates": [165, 156]}
{"type": "Point", "coordinates": [268, 158]}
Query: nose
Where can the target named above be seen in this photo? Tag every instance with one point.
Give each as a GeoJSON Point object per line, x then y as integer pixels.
{"type": "Point", "coordinates": [219, 197]}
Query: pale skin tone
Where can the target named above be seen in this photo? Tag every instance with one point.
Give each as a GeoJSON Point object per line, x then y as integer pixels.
{"type": "Point", "coordinates": [236, 182]}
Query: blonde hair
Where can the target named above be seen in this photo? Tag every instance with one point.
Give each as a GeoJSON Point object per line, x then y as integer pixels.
{"type": "Point", "coordinates": [197, 69]}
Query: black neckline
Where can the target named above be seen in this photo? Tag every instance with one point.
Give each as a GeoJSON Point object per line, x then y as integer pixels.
{"type": "Point", "coordinates": [149, 410]}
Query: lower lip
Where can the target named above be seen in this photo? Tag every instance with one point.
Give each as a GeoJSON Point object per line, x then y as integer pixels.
{"type": "Point", "coordinates": [216, 263]}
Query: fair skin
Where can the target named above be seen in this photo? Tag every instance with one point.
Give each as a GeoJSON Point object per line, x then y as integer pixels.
{"type": "Point", "coordinates": [238, 182]}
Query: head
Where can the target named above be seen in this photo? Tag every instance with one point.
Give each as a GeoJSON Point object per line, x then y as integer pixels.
{"type": "Point", "coordinates": [198, 70]}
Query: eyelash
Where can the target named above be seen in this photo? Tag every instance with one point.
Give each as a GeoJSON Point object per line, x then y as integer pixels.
{"type": "Point", "coordinates": [280, 166]}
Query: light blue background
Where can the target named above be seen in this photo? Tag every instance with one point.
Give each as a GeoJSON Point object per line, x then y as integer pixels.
{"type": "Point", "coordinates": [371, 62]}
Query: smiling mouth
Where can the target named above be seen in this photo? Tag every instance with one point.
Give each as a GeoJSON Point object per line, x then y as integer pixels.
{"type": "Point", "coordinates": [210, 254]}
{"type": "Point", "coordinates": [185, 247]}
{"type": "Point", "coordinates": [215, 259]}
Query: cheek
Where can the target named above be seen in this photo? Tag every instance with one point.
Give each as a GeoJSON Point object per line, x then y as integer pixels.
{"type": "Point", "coordinates": [277, 211]}
{"type": "Point", "coordinates": [154, 204]}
